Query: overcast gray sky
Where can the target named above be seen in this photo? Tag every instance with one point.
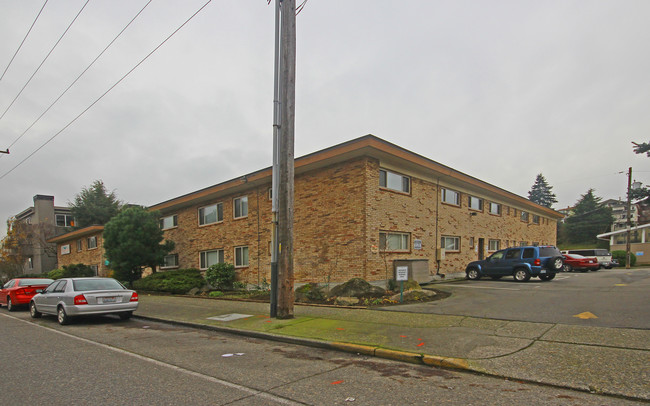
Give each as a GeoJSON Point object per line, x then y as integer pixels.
{"type": "Point", "coordinates": [500, 90]}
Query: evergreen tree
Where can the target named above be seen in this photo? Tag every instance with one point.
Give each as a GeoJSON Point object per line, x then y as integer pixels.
{"type": "Point", "coordinates": [641, 148]}
{"type": "Point", "coordinates": [541, 193]}
{"type": "Point", "coordinates": [133, 240]}
{"type": "Point", "coordinates": [590, 217]}
{"type": "Point", "coordinates": [94, 206]}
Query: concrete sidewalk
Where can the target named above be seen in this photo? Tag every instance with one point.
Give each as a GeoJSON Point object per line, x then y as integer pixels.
{"type": "Point", "coordinates": [603, 360]}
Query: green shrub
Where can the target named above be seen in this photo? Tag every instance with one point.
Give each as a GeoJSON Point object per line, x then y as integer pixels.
{"type": "Point", "coordinates": [71, 271]}
{"type": "Point", "coordinates": [216, 293]}
{"type": "Point", "coordinates": [179, 281]}
{"type": "Point", "coordinates": [239, 285]}
{"type": "Point", "coordinates": [621, 256]}
{"type": "Point", "coordinates": [221, 276]}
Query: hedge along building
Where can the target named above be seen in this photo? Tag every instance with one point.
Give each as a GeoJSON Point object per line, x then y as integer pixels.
{"type": "Point", "coordinates": [359, 207]}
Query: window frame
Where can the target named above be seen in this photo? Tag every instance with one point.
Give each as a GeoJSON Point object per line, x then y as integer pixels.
{"type": "Point", "coordinates": [471, 198]}
{"type": "Point", "coordinates": [524, 216]}
{"type": "Point", "coordinates": [68, 220]}
{"type": "Point", "coordinates": [443, 196]}
{"type": "Point", "coordinates": [535, 219]}
{"type": "Point", "coordinates": [174, 222]}
{"type": "Point", "coordinates": [404, 178]}
{"type": "Point", "coordinates": [498, 205]}
{"type": "Point", "coordinates": [90, 246]}
{"type": "Point", "coordinates": [241, 248]}
{"type": "Point", "coordinates": [203, 258]}
{"type": "Point", "coordinates": [498, 245]}
{"type": "Point", "coordinates": [239, 206]}
{"type": "Point", "coordinates": [452, 237]}
{"type": "Point", "coordinates": [402, 236]}
{"type": "Point", "coordinates": [201, 217]}
{"type": "Point", "coordinates": [80, 245]}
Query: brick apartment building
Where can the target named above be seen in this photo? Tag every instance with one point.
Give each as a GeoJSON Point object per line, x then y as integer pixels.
{"type": "Point", "coordinates": [82, 246]}
{"type": "Point", "coordinates": [359, 206]}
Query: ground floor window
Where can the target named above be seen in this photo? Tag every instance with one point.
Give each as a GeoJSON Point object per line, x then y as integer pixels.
{"type": "Point", "coordinates": [450, 243]}
{"type": "Point", "coordinates": [95, 269]}
{"type": "Point", "coordinates": [241, 257]}
{"type": "Point", "coordinates": [170, 261]}
{"type": "Point", "coordinates": [209, 258]}
{"type": "Point", "coordinates": [393, 241]}
{"type": "Point", "coordinates": [494, 245]}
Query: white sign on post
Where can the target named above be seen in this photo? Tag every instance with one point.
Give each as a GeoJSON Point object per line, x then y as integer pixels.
{"type": "Point", "coordinates": [402, 273]}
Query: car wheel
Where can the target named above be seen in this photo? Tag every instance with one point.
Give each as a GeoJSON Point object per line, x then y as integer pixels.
{"type": "Point", "coordinates": [557, 263]}
{"type": "Point", "coordinates": [33, 312]}
{"type": "Point", "coordinates": [126, 315]}
{"type": "Point", "coordinates": [10, 306]}
{"type": "Point", "coordinates": [62, 316]}
{"type": "Point", "coordinates": [567, 268]}
{"type": "Point", "coordinates": [472, 274]}
{"type": "Point", "coordinates": [496, 277]}
{"type": "Point", "coordinates": [521, 275]}
{"type": "Point", "coordinates": [547, 277]}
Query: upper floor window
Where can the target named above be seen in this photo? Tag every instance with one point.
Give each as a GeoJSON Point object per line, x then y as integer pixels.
{"type": "Point", "coordinates": [450, 243]}
{"type": "Point", "coordinates": [450, 196]}
{"type": "Point", "coordinates": [241, 207]}
{"type": "Point", "coordinates": [211, 214]}
{"type": "Point", "coordinates": [495, 208]}
{"type": "Point", "coordinates": [169, 222]}
{"type": "Point", "coordinates": [394, 181]}
{"type": "Point", "coordinates": [524, 216]}
{"type": "Point", "coordinates": [475, 203]}
{"type": "Point", "coordinates": [393, 241]}
{"type": "Point", "coordinates": [64, 220]}
{"type": "Point", "coordinates": [535, 219]}
{"type": "Point", "coordinates": [92, 242]}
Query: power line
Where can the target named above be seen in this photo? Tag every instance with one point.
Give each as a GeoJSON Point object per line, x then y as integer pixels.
{"type": "Point", "coordinates": [47, 56]}
{"type": "Point", "coordinates": [21, 44]}
{"type": "Point", "coordinates": [106, 92]}
{"type": "Point", "coordinates": [80, 75]}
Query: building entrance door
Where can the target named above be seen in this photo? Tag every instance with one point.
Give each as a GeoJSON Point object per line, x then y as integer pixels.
{"type": "Point", "coordinates": [481, 249]}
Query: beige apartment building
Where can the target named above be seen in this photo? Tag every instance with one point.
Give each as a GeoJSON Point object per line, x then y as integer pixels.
{"type": "Point", "coordinates": [359, 207]}
{"type": "Point", "coordinates": [82, 246]}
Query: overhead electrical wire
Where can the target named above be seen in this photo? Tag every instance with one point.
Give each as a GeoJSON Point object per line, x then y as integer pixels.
{"type": "Point", "coordinates": [78, 77]}
{"type": "Point", "coordinates": [47, 56]}
{"type": "Point", "coordinates": [105, 93]}
{"type": "Point", "coordinates": [24, 39]}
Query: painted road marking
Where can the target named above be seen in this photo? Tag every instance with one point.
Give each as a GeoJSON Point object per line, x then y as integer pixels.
{"type": "Point", "coordinates": [482, 287]}
{"type": "Point", "coordinates": [586, 315]}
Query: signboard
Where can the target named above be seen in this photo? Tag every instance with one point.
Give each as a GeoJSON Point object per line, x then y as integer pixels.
{"type": "Point", "coordinates": [417, 244]}
{"type": "Point", "coordinates": [639, 254]}
{"type": "Point", "coordinates": [402, 273]}
{"type": "Point", "coordinates": [65, 249]}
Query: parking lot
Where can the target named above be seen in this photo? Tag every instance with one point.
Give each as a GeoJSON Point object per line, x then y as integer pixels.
{"type": "Point", "coordinates": [606, 298]}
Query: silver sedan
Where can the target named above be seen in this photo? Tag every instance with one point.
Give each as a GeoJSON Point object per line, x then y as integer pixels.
{"type": "Point", "coordinates": [71, 297]}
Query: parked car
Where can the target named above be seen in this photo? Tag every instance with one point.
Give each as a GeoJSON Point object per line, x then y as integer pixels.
{"type": "Point", "coordinates": [603, 256]}
{"type": "Point", "coordinates": [19, 291]}
{"type": "Point", "coordinates": [521, 263]}
{"type": "Point", "coordinates": [580, 263]}
{"type": "Point", "coordinates": [70, 297]}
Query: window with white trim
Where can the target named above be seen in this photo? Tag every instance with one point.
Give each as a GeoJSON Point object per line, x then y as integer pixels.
{"type": "Point", "coordinates": [241, 207]}
{"type": "Point", "coordinates": [169, 222]}
{"type": "Point", "coordinates": [64, 220]}
{"type": "Point", "coordinates": [211, 214]}
{"type": "Point", "coordinates": [450, 243]}
{"type": "Point", "coordinates": [170, 261]}
{"type": "Point", "coordinates": [394, 181]}
{"type": "Point", "coordinates": [209, 258]}
{"type": "Point", "coordinates": [494, 245]}
{"type": "Point", "coordinates": [475, 203]}
{"type": "Point", "coordinates": [241, 257]}
{"type": "Point", "coordinates": [80, 246]}
{"type": "Point", "coordinates": [450, 196]}
{"type": "Point", "coordinates": [95, 269]}
{"type": "Point", "coordinates": [495, 208]}
{"type": "Point", "coordinates": [92, 242]}
{"type": "Point", "coordinates": [392, 242]}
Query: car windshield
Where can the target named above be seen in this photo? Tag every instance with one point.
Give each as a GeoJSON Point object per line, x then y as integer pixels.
{"type": "Point", "coordinates": [83, 285]}
{"type": "Point", "coordinates": [548, 252]}
{"type": "Point", "coordinates": [28, 282]}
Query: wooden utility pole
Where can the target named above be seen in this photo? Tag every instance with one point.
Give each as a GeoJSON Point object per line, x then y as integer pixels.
{"type": "Point", "coordinates": [284, 154]}
{"type": "Point", "coordinates": [629, 220]}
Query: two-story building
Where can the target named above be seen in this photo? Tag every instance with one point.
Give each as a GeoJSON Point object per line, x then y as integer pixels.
{"type": "Point", "coordinates": [358, 207]}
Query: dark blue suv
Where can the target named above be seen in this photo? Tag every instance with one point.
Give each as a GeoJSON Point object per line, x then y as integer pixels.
{"type": "Point", "coordinates": [519, 262]}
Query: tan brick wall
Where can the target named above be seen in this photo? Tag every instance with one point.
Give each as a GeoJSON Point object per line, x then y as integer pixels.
{"type": "Point", "coordinates": [339, 212]}
{"type": "Point", "coordinates": [93, 256]}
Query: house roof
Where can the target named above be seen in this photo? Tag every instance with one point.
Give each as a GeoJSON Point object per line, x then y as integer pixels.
{"type": "Point", "coordinates": [368, 145]}
{"type": "Point", "coordinates": [82, 232]}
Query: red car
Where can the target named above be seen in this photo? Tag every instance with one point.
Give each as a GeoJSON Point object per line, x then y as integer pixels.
{"type": "Point", "coordinates": [580, 263]}
{"type": "Point", "coordinates": [19, 291]}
